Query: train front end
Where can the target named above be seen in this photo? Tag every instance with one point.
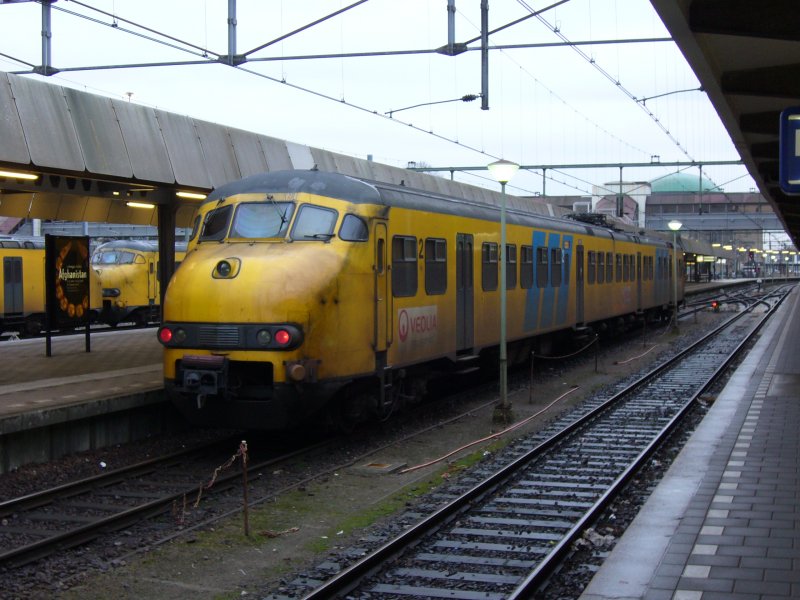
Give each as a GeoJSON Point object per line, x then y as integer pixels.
{"type": "Point", "coordinates": [251, 328]}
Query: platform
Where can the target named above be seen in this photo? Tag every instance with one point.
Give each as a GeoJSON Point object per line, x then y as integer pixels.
{"type": "Point", "coordinates": [725, 520]}
{"type": "Point", "coordinates": [74, 400]}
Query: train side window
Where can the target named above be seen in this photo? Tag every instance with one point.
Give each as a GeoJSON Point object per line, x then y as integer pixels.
{"type": "Point", "coordinates": [619, 267]}
{"type": "Point", "coordinates": [626, 267]}
{"type": "Point", "coordinates": [353, 229]}
{"type": "Point", "coordinates": [555, 267]}
{"type": "Point", "coordinates": [541, 267]}
{"type": "Point", "coordinates": [489, 266]}
{"type": "Point", "coordinates": [591, 267]}
{"type": "Point", "coordinates": [139, 259]}
{"type": "Point", "coordinates": [380, 252]}
{"type": "Point", "coordinates": [404, 266]}
{"type": "Point", "coordinates": [609, 267]}
{"type": "Point", "coordinates": [215, 224]}
{"type": "Point", "coordinates": [511, 266]}
{"type": "Point", "coordinates": [435, 266]}
{"type": "Point", "coordinates": [526, 267]}
{"type": "Point", "coordinates": [601, 267]}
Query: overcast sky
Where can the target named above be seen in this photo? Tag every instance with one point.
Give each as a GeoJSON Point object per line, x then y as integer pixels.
{"type": "Point", "coordinates": [547, 106]}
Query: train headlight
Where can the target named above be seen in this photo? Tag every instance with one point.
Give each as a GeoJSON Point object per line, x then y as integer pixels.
{"type": "Point", "coordinates": [264, 337]}
{"type": "Point", "coordinates": [227, 268]}
{"type": "Point", "coordinates": [171, 337]}
{"type": "Point", "coordinates": [165, 335]}
{"type": "Point", "coordinates": [224, 268]}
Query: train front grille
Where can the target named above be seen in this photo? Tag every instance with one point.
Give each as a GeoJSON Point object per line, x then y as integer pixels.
{"type": "Point", "coordinates": [219, 336]}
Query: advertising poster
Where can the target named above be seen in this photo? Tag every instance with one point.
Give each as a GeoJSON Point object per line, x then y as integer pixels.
{"type": "Point", "coordinates": [67, 289]}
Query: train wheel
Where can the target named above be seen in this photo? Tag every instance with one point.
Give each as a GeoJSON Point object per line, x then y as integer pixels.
{"type": "Point", "coordinates": [348, 410]}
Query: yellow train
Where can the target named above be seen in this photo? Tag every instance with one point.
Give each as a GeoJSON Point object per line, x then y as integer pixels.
{"type": "Point", "coordinates": [125, 281]}
{"type": "Point", "coordinates": [23, 299]}
{"type": "Point", "coordinates": [306, 291]}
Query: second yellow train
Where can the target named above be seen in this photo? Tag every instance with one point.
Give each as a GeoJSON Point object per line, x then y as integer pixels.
{"type": "Point", "coordinates": [126, 275]}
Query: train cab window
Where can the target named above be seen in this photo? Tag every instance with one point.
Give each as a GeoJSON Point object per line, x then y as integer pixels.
{"type": "Point", "coordinates": [526, 267]}
{"type": "Point", "coordinates": [404, 266]}
{"type": "Point", "coordinates": [195, 227]}
{"type": "Point", "coordinates": [261, 220]}
{"type": "Point", "coordinates": [609, 267]}
{"type": "Point", "coordinates": [489, 270]}
{"type": "Point", "coordinates": [601, 267]}
{"type": "Point", "coordinates": [555, 267]}
{"type": "Point", "coordinates": [435, 266]}
{"type": "Point", "coordinates": [591, 268]}
{"type": "Point", "coordinates": [215, 224]}
{"type": "Point", "coordinates": [511, 266]}
{"type": "Point", "coordinates": [314, 223]}
{"type": "Point", "coordinates": [353, 229]}
{"type": "Point", "coordinates": [541, 267]}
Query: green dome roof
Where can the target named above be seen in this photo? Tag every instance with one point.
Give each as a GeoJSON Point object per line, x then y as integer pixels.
{"type": "Point", "coordinates": [680, 182]}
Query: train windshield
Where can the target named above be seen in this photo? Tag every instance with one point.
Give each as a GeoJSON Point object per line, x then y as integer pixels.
{"type": "Point", "coordinates": [262, 219]}
{"type": "Point", "coordinates": [113, 258]}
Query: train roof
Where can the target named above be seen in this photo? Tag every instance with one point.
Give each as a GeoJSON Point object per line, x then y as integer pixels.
{"type": "Point", "coordinates": [364, 191]}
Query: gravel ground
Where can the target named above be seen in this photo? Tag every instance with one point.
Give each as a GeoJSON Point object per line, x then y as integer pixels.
{"type": "Point", "coordinates": [320, 525]}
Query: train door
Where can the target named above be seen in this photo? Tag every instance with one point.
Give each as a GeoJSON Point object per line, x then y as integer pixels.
{"type": "Point", "coordinates": [12, 285]}
{"type": "Point", "coordinates": [639, 281]}
{"type": "Point", "coordinates": [382, 298]}
{"type": "Point", "coordinates": [465, 292]}
{"type": "Point", "coordinates": [579, 284]}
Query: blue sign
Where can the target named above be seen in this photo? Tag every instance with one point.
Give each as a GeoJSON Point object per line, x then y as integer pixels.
{"type": "Point", "coordinates": [790, 150]}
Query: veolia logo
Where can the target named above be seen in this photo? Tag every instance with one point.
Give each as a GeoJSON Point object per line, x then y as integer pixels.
{"type": "Point", "coordinates": [416, 324]}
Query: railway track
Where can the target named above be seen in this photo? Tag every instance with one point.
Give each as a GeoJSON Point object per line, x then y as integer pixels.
{"type": "Point", "coordinates": [37, 525]}
{"type": "Point", "coordinates": [507, 532]}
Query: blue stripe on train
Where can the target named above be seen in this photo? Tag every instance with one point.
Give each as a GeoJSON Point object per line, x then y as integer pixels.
{"type": "Point", "coordinates": [549, 292]}
{"type": "Point", "coordinates": [563, 291]}
{"type": "Point", "coordinates": [533, 295]}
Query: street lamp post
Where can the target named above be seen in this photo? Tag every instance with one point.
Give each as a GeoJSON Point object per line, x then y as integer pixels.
{"type": "Point", "coordinates": [503, 171]}
{"type": "Point", "coordinates": [675, 225]}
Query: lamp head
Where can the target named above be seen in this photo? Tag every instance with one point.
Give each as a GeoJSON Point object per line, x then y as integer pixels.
{"type": "Point", "coordinates": [674, 225]}
{"type": "Point", "coordinates": [503, 170]}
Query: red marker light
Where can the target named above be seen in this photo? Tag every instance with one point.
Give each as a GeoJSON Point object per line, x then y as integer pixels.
{"type": "Point", "coordinates": [282, 337]}
{"type": "Point", "coordinates": [164, 335]}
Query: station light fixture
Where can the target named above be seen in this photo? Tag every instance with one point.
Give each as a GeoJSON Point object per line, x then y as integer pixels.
{"type": "Point", "coordinates": [675, 225]}
{"type": "Point", "coordinates": [19, 175]}
{"type": "Point", "coordinates": [140, 205]}
{"type": "Point", "coordinates": [190, 195]}
{"type": "Point", "coordinates": [503, 171]}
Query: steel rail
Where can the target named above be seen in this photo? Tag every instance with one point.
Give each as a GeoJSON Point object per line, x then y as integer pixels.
{"type": "Point", "coordinates": [348, 579]}
{"type": "Point", "coordinates": [543, 570]}
{"type": "Point", "coordinates": [39, 549]}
